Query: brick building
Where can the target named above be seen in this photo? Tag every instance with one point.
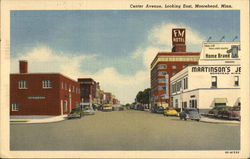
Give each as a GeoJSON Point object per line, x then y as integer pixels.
{"type": "Point", "coordinates": [87, 89]}
{"type": "Point", "coordinates": [167, 64]}
{"type": "Point", "coordinates": [42, 93]}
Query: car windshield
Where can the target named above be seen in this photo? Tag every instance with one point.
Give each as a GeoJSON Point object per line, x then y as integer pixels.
{"type": "Point", "coordinates": [192, 110]}
{"type": "Point", "coordinates": [74, 110]}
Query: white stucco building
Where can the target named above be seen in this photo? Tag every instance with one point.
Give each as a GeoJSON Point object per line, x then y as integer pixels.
{"type": "Point", "coordinates": [215, 81]}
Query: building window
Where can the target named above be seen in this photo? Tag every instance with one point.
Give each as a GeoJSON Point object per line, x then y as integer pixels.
{"type": "Point", "coordinates": [176, 103]}
{"type": "Point", "coordinates": [22, 84]}
{"type": "Point", "coordinates": [236, 81]}
{"type": "Point", "coordinates": [162, 73]}
{"type": "Point", "coordinates": [14, 107]}
{"type": "Point", "coordinates": [65, 86]}
{"type": "Point", "coordinates": [62, 85]}
{"type": "Point", "coordinates": [46, 84]}
{"type": "Point", "coordinates": [214, 82]}
{"type": "Point", "coordinates": [161, 66]}
{"type": "Point", "coordinates": [173, 66]}
{"type": "Point", "coordinates": [65, 104]}
{"type": "Point", "coordinates": [185, 83]}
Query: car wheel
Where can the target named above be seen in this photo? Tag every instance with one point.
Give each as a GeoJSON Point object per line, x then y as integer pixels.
{"type": "Point", "coordinates": [185, 118]}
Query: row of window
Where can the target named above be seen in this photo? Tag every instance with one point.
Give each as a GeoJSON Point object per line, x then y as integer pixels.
{"type": "Point", "coordinates": [176, 87]}
{"type": "Point", "coordinates": [22, 84]}
{"type": "Point", "coordinates": [192, 103]}
{"type": "Point", "coordinates": [71, 88]}
{"type": "Point", "coordinates": [214, 81]}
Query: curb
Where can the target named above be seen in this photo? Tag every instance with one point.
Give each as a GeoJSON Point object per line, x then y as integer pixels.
{"type": "Point", "coordinates": [37, 121]}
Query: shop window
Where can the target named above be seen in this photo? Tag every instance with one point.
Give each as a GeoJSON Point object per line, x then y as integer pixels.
{"type": "Point", "coordinates": [236, 81]}
{"type": "Point", "coordinates": [214, 82]}
{"type": "Point", "coordinates": [46, 84]}
{"type": "Point", "coordinates": [176, 103]}
{"type": "Point", "coordinates": [14, 107]}
{"type": "Point", "coordinates": [185, 83]}
{"type": "Point", "coordinates": [22, 84]}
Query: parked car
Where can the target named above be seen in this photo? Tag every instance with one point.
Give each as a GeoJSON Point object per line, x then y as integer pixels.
{"type": "Point", "coordinates": [170, 112]}
{"type": "Point", "coordinates": [107, 108]}
{"type": "Point", "coordinates": [157, 109]}
{"type": "Point", "coordinates": [215, 111]}
{"type": "Point", "coordinates": [232, 113]}
{"type": "Point", "coordinates": [190, 113]}
{"type": "Point", "coordinates": [88, 110]}
{"type": "Point", "coordinates": [75, 113]}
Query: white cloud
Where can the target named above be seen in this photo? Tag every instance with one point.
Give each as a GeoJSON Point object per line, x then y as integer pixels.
{"type": "Point", "coordinates": [125, 87]}
{"type": "Point", "coordinates": [44, 59]}
{"type": "Point", "coordinates": [162, 35]}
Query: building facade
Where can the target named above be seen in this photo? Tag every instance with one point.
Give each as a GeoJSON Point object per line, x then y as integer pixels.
{"type": "Point", "coordinates": [88, 89]}
{"type": "Point", "coordinates": [42, 93]}
{"type": "Point", "coordinates": [214, 82]}
{"type": "Point", "coordinates": [167, 64]}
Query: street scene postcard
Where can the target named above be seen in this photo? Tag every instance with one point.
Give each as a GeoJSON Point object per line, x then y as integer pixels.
{"type": "Point", "coordinates": [124, 79]}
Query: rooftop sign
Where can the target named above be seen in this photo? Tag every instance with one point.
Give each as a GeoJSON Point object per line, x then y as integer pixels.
{"type": "Point", "coordinates": [178, 36]}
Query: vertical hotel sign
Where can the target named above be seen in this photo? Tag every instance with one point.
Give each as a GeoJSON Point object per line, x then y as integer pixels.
{"type": "Point", "coordinates": [178, 36]}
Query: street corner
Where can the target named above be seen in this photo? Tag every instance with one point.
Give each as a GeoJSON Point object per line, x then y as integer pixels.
{"type": "Point", "coordinates": [37, 119]}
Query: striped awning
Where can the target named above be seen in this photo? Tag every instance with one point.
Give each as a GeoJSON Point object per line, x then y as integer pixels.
{"type": "Point", "coordinates": [220, 100]}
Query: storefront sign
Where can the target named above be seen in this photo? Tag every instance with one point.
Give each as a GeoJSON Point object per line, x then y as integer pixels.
{"type": "Point", "coordinates": [220, 50]}
{"type": "Point", "coordinates": [178, 36]}
{"type": "Point", "coordinates": [217, 69]}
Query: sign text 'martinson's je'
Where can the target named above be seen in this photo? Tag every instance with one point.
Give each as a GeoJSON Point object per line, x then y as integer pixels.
{"type": "Point", "coordinates": [178, 36]}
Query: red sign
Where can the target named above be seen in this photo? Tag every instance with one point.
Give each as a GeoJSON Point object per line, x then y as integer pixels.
{"type": "Point", "coordinates": [178, 36]}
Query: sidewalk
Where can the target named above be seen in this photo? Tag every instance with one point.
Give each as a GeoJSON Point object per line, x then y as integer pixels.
{"type": "Point", "coordinates": [36, 119]}
{"type": "Point", "coordinates": [218, 121]}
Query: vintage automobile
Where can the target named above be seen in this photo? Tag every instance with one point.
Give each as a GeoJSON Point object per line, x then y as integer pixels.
{"type": "Point", "coordinates": [232, 113]}
{"type": "Point", "coordinates": [190, 113]}
{"type": "Point", "coordinates": [170, 112]}
{"type": "Point", "coordinates": [107, 108]}
{"type": "Point", "coordinates": [88, 110]}
{"type": "Point", "coordinates": [75, 113]}
{"type": "Point", "coordinates": [216, 111]}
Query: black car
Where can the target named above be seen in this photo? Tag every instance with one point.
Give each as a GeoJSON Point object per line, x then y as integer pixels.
{"type": "Point", "coordinates": [190, 113]}
{"type": "Point", "coordinates": [75, 113]}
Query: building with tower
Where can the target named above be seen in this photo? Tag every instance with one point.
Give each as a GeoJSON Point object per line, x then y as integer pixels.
{"type": "Point", "coordinates": [167, 64]}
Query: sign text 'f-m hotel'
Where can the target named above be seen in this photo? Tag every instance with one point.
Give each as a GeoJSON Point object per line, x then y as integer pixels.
{"type": "Point", "coordinates": [178, 36]}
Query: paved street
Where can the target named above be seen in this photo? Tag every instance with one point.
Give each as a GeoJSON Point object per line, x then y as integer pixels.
{"type": "Point", "coordinates": [125, 130]}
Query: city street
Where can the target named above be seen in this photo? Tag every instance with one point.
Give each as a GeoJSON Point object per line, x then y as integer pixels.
{"type": "Point", "coordinates": [125, 130]}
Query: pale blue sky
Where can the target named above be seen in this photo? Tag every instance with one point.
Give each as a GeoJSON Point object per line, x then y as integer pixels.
{"type": "Point", "coordinates": [112, 35]}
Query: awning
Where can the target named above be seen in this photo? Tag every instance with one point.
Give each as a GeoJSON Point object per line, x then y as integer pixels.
{"type": "Point", "coordinates": [220, 100]}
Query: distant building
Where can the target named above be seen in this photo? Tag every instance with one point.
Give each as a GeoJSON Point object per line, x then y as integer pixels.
{"type": "Point", "coordinates": [88, 89]}
{"type": "Point", "coordinates": [214, 82]}
{"type": "Point", "coordinates": [42, 93]}
{"type": "Point", "coordinates": [167, 64]}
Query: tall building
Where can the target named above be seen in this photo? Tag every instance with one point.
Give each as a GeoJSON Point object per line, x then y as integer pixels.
{"type": "Point", "coordinates": [42, 93]}
{"type": "Point", "coordinates": [167, 64]}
